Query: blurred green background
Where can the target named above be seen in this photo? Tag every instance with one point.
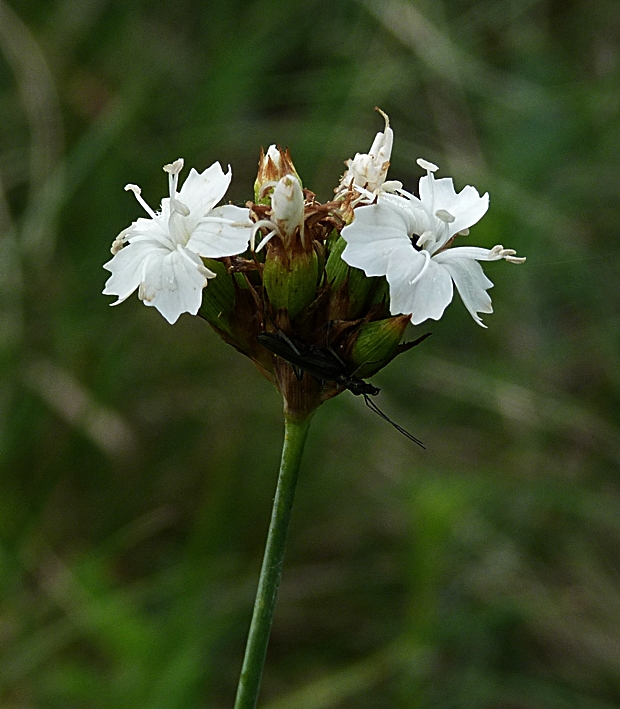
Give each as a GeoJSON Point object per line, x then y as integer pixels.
{"type": "Point", "coordinates": [138, 460]}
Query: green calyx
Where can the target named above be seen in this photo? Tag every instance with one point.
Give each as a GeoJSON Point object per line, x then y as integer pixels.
{"type": "Point", "coordinates": [376, 344]}
{"type": "Point", "coordinates": [218, 301]}
{"type": "Point", "coordinates": [351, 285]}
{"type": "Point", "coordinates": [291, 282]}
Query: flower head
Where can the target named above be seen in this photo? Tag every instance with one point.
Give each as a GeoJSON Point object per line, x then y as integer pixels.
{"type": "Point", "coordinates": [407, 240]}
{"type": "Point", "coordinates": [160, 256]}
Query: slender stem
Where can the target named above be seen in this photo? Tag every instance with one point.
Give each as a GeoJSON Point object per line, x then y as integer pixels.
{"type": "Point", "coordinates": [295, 433]}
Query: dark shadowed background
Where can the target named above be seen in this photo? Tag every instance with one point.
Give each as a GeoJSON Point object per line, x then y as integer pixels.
{"type": "Point", "coordinates": [138, 459]}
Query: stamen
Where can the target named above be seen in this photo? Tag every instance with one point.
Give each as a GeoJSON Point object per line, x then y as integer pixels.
{"type": "Point", "coordinates": [173, 170]}
{"type": "Point", "coordinates": [174, 167]}
{"type": "Point", "coordinates": [427, 256]}
{"type": "Point", "coordinates": [364, 192]}
{"type": "Point", "coordinates": [117, 245]}
{"type": "Point", "coordinates": [445, 216]}
{"type": "Point", "coordinates": [259, 225]}
{"type": "Point", "coordinates": [392, 185]}
{"type": "Point", "coordinates": [222, 220]}
{"type": "Point", "coordinates": [508, 254]}
{"type": "Point", "coordinates": [199, 267]}
{"type": "Point", "coordinates": [204, 271]}
{"type": "Point", "coordinates": [265, 240]}
{"type": "Point", "coordinates": [138, 195]}
{"type": "Point", "coordinates": [424, 238]}
{"type": "Point", "coordinates": [426, 165]}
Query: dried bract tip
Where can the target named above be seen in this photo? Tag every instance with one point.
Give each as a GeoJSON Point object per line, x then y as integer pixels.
{"type": "Point", "coordinates": [273, 165]}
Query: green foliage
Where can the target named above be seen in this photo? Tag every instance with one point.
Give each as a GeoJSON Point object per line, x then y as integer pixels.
{"type": "Point", "coordinates": [138, 460]}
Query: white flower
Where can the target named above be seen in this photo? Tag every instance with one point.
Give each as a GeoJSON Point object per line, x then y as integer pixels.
{"type": "Point", "coordinates": [407, 240]}
{"type": "Point", "coordinates": [160, 256]}
{"type": "Point", "coordinates": [367, 171]}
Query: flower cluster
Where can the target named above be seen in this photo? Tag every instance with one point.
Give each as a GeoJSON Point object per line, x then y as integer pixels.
{"type": "Point", "coordinates": [343, 277]}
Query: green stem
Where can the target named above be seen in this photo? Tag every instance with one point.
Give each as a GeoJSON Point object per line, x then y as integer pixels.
{"type": "Point", "coordinates": [295, 433]}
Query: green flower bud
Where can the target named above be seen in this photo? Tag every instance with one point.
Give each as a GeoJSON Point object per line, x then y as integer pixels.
{"type": "Point", "coordinates": [352, 287]}
{"type": "Point", "coordinates": [218, 300]}
{"type": "Point", "coordinates": [291, 282]}
{"type": "Point", "coordinates": [376, 344]}
{"type": "Point", "coordinates": [381, 293]}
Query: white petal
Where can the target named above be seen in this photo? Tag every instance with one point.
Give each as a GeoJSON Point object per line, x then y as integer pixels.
{"type": "Point", "coordinates": [427, 297]}
{"type": "Point", "coordinates": [428, 191]}
{"type": "Point", "coordinates": [213, 238]}
{"type": "Point", "coordinates": [127, 267]}
{"type": "Point", "coordinates": [467, 206]}
{"type": "Point", "coordinates": [377, 230]}
{"type": "Point", "coordinates": [174, 284]}
{"type": "Point", "coordinates": [151, 229]}
{"type": "Point", "coordinates": [404, 266]}
{"type": "Point", "coordinates": [470, 281]}
{"type": "Point", "coordinates": [416, 217]}
{"type": "Point", "coordinates": [202, 191]}
{"type": "Point", "coordinates": [469, 209]}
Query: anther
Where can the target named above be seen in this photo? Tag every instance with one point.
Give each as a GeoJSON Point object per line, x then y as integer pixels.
{"type": "Point", "coordinates": [508, 254]}
{"type": "Point", "coordinates": [426, 165]}
{"type": "Point", "coordinates": [117, 245]}
{"type": "Point", "coordinates": [138, 195]}
{"type": "Point", "coordinates": [174, 167]}
{"type": "Point", "coordinates": [445, 216]}
{"type": "Point", "coordinates": [425, 237]}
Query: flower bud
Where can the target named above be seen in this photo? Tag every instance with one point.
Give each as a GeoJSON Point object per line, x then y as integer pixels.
{"type": "Point", "coordinates": [291, 282]}
{"type": "Point", "coordinates": [376, 344]}
{"type": "Point", "coordinates": [218, 300]}
{"type": "Point", "coordinates": [351, 286]}
{"type": "Point", "coordinates": [272, 167]}
{"type": "Point", "coordinates": [287, 205]}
